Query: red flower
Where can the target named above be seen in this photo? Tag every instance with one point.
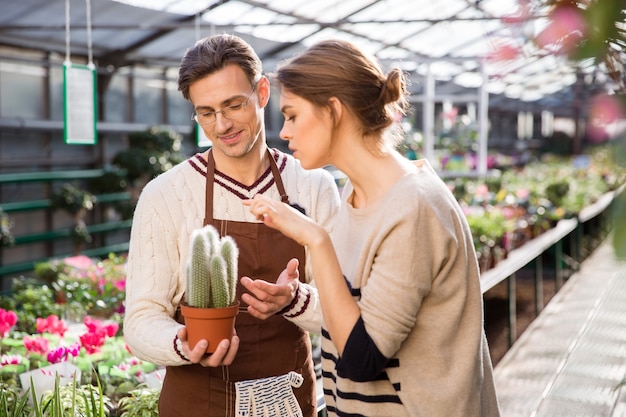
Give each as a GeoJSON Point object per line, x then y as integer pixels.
{"type": "Point", "coordinates": [7, 320]}
{"type": "Point", "coordinates": [96, 334]}
{"type": "Point", "coordinates": [39, 345]}
{"type": "Point", "coordinates": [92, 342]}
{"type": "Point", "coordinates": [52, 324]}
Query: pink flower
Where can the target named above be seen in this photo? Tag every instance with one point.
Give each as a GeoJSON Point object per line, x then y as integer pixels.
{"type": "Point", "coordinates": [10, 360]}
{"type": "Point", "coordinates": [96, 326]}
{"type": "Point", "coordinates": [92, 342]}
{"type": "Point", "coordinates": [508, 212]}
{"type": "Point", "coordinates": [74, 349]}
{"type": "Point", "coordinates": [522, 193]}
{"type": "Point", "coordinates": [482, 190]}
{"type": "Point", "coordinates": [96, 334]}
{"type": "Point", "coordinates": [120, 285]}
{"type": "Point", "coordinates": [57, 355]}
{"type": "Point", "coordinates": [565, 29]}
{"type": "Point", "coordinates": [39, 345]}
{"type": "Point", "coordinates": [503, 52]}
{"type": "Point", "coordinates": [7, 320]}
{"type": "Point", "coordinates": [61, 353]}
{"type": "Point", "coordinates": [605, 110]}
{"type": "Point", "coordinates": [79, 262]}
{"type": "Point", "coordinates": [52, 324]}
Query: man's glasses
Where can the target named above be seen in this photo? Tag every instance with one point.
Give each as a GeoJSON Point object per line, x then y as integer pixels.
{"type": "Point", "coordinates": [229, 112]}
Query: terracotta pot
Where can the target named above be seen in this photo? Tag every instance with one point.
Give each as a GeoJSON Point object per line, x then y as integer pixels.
{"type": "Point", "coordinates": [212, 324]}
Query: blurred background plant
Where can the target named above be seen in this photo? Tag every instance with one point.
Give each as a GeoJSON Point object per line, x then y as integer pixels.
{"type": "Point", "coordinates": [6, 226]}
{"type": "Point", "coordinates": [87, 286]}
{"type": "Point", "coordinates": [149, 154]}
{"type": "Point", "coordinates": [76, 201]}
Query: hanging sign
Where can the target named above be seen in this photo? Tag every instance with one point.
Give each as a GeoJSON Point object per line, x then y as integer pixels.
{"type": "Point", "coordinates": [79, 104]}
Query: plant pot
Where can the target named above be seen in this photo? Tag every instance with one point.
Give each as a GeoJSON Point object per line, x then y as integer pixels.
{"type": "Point", "coordinates": [212, 324]}
{"type": "Point", "coordinates": [43, 378]}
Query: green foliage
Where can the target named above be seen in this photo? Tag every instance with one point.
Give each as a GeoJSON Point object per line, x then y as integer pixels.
{"type": "Point", "coordinates": [141, 402]}
{"type": "Point", "coordinates": [488, 227]}
{"type": "Point", "coordinates": [619, 232]}
{"type": "Point", "coordinates": [211, 269]}
{"type": "Point", "coordinates": [150, 153]}
{"type": "Point", "coordinates": [112, 181]}
{"type": "Point", "coordinates": [72, 199]}
{"type": "Point", "coordinates": [87, 285]}
{"type": "Point", "coordinates": [74, 401]}
{"type": "Point", "coordinates": [557, 191]}
{"type": "Point", "coordinates": [13, 402]}
{"type": "Point", "coordinates": [6, 226]}
{"type": "Point", "coordinates": [32, 299]}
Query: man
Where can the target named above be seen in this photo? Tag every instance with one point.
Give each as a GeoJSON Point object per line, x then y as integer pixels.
{"type": "Point", "coordinates": [222, 77]}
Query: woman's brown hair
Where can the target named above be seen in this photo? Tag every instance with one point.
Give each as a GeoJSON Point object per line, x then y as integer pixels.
{"type": "Point", "coordinates": [336, 68]}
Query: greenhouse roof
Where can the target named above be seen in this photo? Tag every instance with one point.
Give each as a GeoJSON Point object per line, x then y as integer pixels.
{"type": "Point", "coordinates": [452, 39]}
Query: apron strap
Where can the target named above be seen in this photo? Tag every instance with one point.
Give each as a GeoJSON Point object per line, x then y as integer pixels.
{"type": "Point", "coordinates": [210, 172]}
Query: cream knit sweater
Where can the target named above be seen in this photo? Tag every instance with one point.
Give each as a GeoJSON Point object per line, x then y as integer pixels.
{"type": "Point", "coordinates": [411, 264]}
{"type": "Point", "coordinates": [170, 207]}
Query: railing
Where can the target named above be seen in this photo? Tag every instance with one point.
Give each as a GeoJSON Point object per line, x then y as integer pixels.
{"type": "Point", "coordinates": [65, 232]}
{"type": "Point", "coordinates": [595, 216]}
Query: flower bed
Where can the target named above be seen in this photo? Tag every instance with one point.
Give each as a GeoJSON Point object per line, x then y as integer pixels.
{"type": "Point", "coordinates": [35, 341]}
{"type": "Point", "coordinates": [508, 209]}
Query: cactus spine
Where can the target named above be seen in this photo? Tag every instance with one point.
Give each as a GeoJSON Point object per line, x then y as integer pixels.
{"type": "Point", "coordinates": [212, 269]}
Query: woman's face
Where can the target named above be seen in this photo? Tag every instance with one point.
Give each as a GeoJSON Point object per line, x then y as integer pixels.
{"type": "Point", "coordinates": [307, 128]}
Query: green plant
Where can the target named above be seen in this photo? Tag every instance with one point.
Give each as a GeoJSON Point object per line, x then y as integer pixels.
{"type": "Point", "coordinates": [32, 300]}
{"type": "Point", "coordinates": [112, 181]}
{"type": "Point", "coordinates": [150, 153]}
{"type": "Point", "coordinates": [76, 201]}
{"type": "Point", "coordinates": [13, 403]}
{"type": "Point", "coordinates": [141, 402]}
{"type": "Point", "coordinates": [212, 269]}
{"type": "Point", "coordinates": [556, 192]}
{"type": "Point", "coordinates": [6, 224]}
{"type": "Point", "coordinates": [73, 401]}
{"type": "Point", "coordinates": [72, 199]}
{"type": "Point", "coordinates": [96, 287]}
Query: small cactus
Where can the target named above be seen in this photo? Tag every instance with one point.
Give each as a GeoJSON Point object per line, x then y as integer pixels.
{"type": "Point", "coordinates": [211, 270]}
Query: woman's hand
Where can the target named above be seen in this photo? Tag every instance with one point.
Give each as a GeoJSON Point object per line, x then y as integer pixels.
{"type": "Point", "coordinates": [224, 353]}
{"type": "Point", "coordinates": [285, 219]}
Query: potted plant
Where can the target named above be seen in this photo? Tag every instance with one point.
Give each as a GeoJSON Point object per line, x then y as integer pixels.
{"type": "Point", "coordinates": [210, 307]}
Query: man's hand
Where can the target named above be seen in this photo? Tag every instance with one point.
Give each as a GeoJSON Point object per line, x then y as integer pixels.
{"type": "Point", "coordinates": [223, 355]}
{"type": "Point", "coordinates": [266, 299]}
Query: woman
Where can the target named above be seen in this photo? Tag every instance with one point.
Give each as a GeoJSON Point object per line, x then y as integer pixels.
{"type": "Point", "coordinates": [398, 278]}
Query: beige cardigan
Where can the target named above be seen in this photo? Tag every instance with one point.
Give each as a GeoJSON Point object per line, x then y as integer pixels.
{"type": "Point", "coordinates": [412, 258]}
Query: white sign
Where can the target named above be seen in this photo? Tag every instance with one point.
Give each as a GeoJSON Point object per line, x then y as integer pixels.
{"type": "Point", "coordinates": [79, 104]}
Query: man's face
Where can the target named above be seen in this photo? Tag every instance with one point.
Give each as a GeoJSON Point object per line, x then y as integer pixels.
{"type": "Point", "coordinates": [237, 135]}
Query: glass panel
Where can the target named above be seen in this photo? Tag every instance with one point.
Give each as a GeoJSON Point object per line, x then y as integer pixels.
{"type": "Point", "coordinates": [56, 93]}
{"type": "Point", "coordinates": [22, 89]}
{"type": "Point", "coordinates": [116, 99]}
{"type": "Point", "coordinates": [148, 96]}
{"type": "Point", "coordinates": [178, 109]}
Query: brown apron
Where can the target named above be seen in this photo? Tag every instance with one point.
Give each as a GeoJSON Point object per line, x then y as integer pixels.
{"type": "Point", "coordinates": [268, 347]}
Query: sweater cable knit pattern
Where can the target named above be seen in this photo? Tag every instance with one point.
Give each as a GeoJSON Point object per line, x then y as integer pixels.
{"type": "Point", "coordinates": [170, 207]}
